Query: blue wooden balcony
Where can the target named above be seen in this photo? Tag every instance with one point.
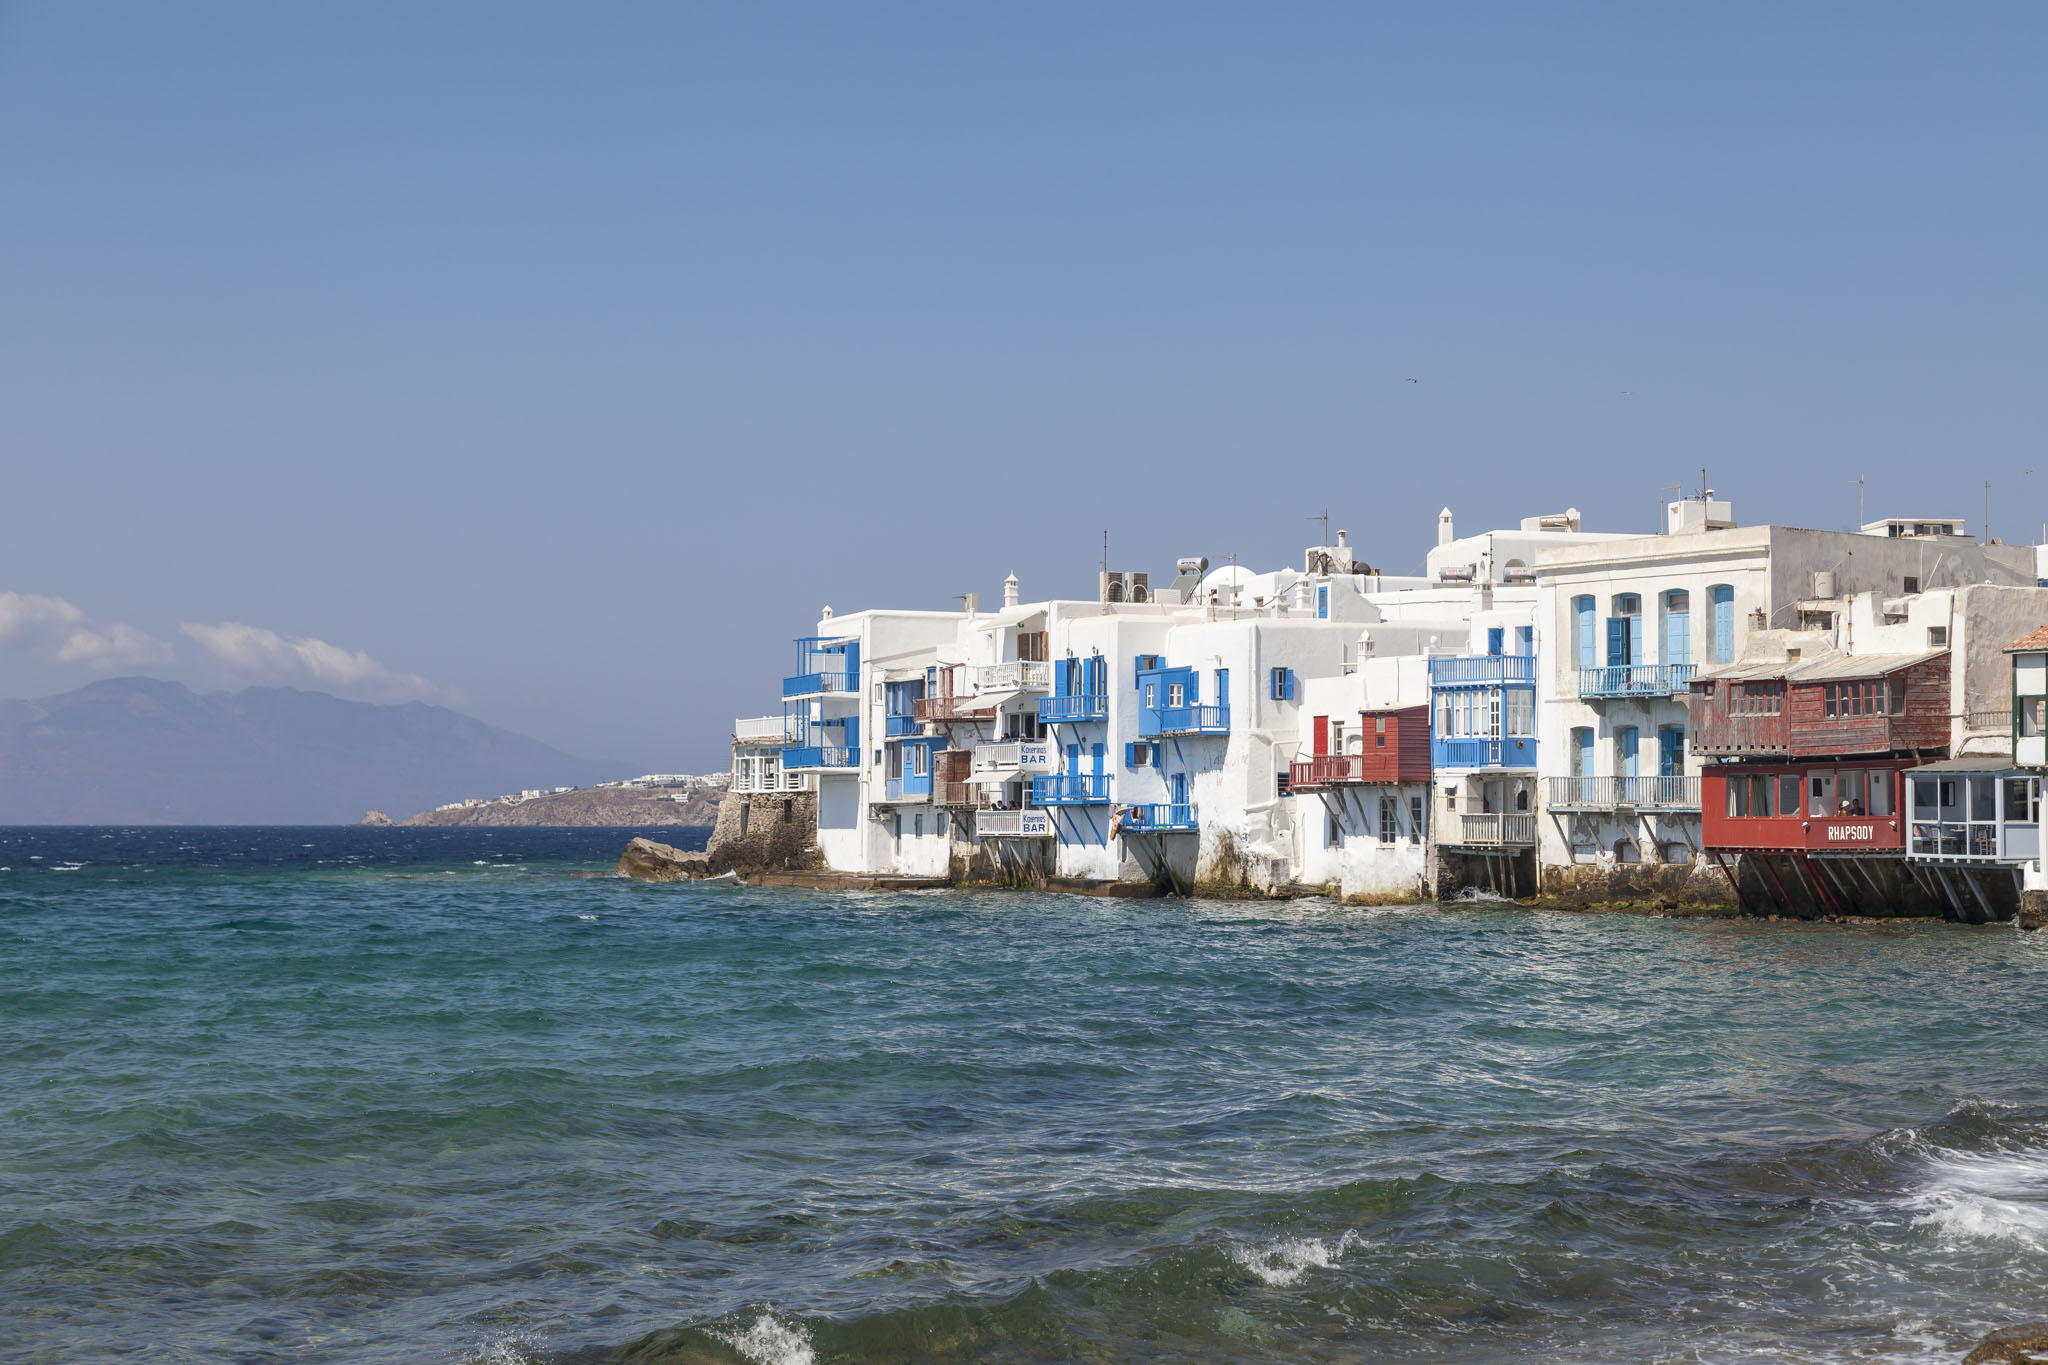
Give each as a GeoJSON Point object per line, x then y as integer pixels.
{"type": "Point", "coordinates": [1635, 680]}
{"type": "Point", "coordinates": [902, 727]}
{"type": "Point", "coordinates": [906, 789]}
{"type": "Point", "coordinates": [820, 756]}
{"type": "Point", "coordinates": [1475, 669]}
{"type": "Point", "coordinates": [1072, 710]}
{"type": "Point", "coordinates": [817, 684]}
{"type": "Point", "coordinates": [1157, 819]}
{"type": "Point", "coordinates": [1510, 751]}
{"type": "Point", "coordinates": [1070, 789]}
{"type": "Point", "coordinates": [1155, 722]}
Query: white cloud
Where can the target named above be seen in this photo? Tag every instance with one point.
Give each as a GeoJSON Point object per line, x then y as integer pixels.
{"type": "Point", "coordinates": [255, 654]}
{"type": "Point", "coordinates": [55, 628]}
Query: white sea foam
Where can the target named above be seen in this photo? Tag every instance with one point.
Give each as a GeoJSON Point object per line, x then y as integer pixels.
{"type": "Point", "coordinates": [586, 917]}
{"type": "Point", "coordinates": [500, 1351]}
{"type": "Point", "coordinates": [771, 1341]}
{"type": "Point", "coordinates": [1284, 1260]}
{"type": "Point", "coordinates": [1996, 1196]}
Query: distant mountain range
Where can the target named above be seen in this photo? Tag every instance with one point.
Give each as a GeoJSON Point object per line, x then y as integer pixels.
{"type": "Point", "coordinates": [142, 751]}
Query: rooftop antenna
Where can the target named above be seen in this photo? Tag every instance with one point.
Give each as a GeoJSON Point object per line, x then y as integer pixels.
{"type": "Point", "coordinates": [1105, 570]}
{"type": "Point", "coordinates": [1233, 587]}
{"type": "Point", "coordinates": [1987, 511]}
{"type": "Point", "coordinates": [1324, 517]}
{"type": "Point", "coordinates": [1860, 523]}
{"type": "Point", "coordinates": [1662, 516]}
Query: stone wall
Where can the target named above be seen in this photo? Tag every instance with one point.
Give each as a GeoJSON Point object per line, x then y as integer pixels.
{"type": "Point", "coordinates": [765, 831]}
{"type": "Point", "coordinates": [1696, 884]}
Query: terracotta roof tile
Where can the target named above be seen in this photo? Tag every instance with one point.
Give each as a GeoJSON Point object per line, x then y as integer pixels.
{"type": "Point", "coordinates": [2038, 640]}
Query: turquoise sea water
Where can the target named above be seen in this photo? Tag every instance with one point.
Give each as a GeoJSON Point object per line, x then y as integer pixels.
{"type": "Point", "coordinates": [403, 1095]}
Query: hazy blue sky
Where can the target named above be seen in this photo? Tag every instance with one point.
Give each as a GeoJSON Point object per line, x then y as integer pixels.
{"type": "Point", "coordinates": [564, 360]}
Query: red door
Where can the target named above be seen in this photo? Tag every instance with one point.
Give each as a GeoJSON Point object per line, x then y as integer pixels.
{"type": "Point", "coordinates": [1322, 735]}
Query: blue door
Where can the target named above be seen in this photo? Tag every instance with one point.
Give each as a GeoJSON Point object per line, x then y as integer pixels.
{"type": "Point", "coordinates": [1724, 623]}
{"type": "Point", "coordinates": [1670, 762]}
{"type": "Point", "coordinates": [1626, 739]}
{"type": "Point", "coordinates": [1179, 787]}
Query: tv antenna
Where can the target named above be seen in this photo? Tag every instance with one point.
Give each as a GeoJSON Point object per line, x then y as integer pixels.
{"type": "Point", "coordinates": [1324, 517]}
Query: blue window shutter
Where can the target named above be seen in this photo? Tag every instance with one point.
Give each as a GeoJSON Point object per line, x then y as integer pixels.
{"type": "Point", "coordinates": [1525, 640]}
{"type": "Point", "coordinates": [1096, 758]}
{"type": "Point", "coordinates": [1724, 624]}
{"type": "Point", "coordinates": [1156, 756]}
{"type": "Point", "coordinates": [1496, 638]}
{"type": "Point", "coordinates": [1582, 607]}
{"type": "Point", "coordinates": [1617, 641]}
{"type": "Point", "coordinates": [1131, 755]}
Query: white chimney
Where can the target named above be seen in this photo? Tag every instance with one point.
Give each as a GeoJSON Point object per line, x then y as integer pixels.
{"type": "Point", "coordinates": [1343, 539]}
{"type": "Point", "coordinates": [827, 613]}
{"type": "Point", "coordinates": [1443, 527]}
{"type": "Point", "coordinates": [1010, 591]}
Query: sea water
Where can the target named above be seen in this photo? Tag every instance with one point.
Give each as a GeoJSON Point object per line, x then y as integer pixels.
{"type": "Point", "coordinates": [445, 1095]}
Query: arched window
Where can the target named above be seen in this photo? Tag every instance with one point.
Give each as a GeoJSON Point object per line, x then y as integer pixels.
{"type": "Point", "coordinates": [1676, 645]}
{"type": "Point", "coordinates": [1582, 634]}
{"type": "Point", "coordinates": [1721, 624]}
{"type": "Point", "coordinates": [1625, 631]}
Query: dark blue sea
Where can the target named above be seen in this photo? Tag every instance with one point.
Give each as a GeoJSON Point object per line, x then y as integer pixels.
{"type": "Point", "coordinates": [450, 1095]}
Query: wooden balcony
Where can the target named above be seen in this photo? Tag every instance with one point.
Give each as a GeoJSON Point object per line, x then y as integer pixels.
{"type": "Point", "coordinates": [1511, 829]}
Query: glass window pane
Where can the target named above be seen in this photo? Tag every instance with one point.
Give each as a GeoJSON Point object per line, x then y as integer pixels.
{"type": "Point", "coordinates": [1881, 780]}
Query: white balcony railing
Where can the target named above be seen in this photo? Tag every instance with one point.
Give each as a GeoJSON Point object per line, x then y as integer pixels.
{"type": "Point", "coordinates": [766, 730]}
{"type": "Point", "coordinates": [1018, 675]}
{"type": "Point", "coordinates": [1012, 759]}
{"type": "Point", "coordinates": [1012, 824]}
{"type": "Point", "coordinates": [763, 773]}
{"type": "Point", "coordinates": [1509, 829]}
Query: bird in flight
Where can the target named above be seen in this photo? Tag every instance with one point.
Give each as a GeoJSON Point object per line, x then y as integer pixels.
{"type": "Point", "coordinates": [1411, 381]}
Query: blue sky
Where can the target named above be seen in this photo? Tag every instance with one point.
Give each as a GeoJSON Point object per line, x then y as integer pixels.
{"type": "Point", "coordinates": [562, 361]}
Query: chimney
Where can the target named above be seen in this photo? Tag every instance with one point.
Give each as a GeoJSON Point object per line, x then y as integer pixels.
{"type": "Point", "coordinates": [1443, 527]}
{"type": "Point", "coordinates": [1343, 539]}
{"type": "Point", "coordinates": [1010, 592]}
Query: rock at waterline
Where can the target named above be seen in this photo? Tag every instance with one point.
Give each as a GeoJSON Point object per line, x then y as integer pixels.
{"type": "Point", "coordinates": [651, 862]}
{"type": "Point", "coordinates": [2026, 1344]}
{"type": "Point", "coordinates": [375, 817]}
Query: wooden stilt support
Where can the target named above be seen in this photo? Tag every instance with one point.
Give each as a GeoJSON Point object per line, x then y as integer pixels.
{"type": "Point", "coordinates": [1734, 882]}
{"type": "Point", "coordinates": [1771, 871]}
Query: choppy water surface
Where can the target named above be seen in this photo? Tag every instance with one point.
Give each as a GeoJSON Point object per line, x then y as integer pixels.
{"type": "Point", "coordinates": [433, 1095]}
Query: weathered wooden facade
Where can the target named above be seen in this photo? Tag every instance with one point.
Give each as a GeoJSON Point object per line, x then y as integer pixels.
{"type": "Point", "coordinates": [1802, 802]}
{"type": "Point", "coordinates": [1842, 705]}
{"type": "Point", "coordinates": [1390, 745]}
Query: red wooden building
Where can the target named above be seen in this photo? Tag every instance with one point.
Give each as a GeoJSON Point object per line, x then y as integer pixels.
{"type": "Point", "coordinates": [1806, 782]}
{"type": "Point", "coordinates": [1390, 745]}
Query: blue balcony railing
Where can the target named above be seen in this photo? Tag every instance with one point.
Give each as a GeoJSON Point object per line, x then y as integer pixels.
{"type": "Point", "coordinates": [1512, 751]}
{"type": "Point", "coordinates": [819, 756]}
{"type": "Point", "coordinates": [1482, 668]}
{"type": "Point", "coordinates": [1055, 710]}
{"type": "Point", "coordinates": [907, 788]}
{"type": "Point", "coordinates": [1635, 680]}
{"type": "Point", "coordinates": [900, 727]}
{"type": "Point", "coordinates": [1070, 789]}
{"type": "Point", "coordinates": [1158, 819]}
{"type": "Point", "coordinates": [811, 684]}
{"type": "Point", "coordinates": [1156, 721]}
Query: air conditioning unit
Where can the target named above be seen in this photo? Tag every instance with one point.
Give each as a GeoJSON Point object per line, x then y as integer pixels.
{"type": "Point", "coordinates": [1126, 587]}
